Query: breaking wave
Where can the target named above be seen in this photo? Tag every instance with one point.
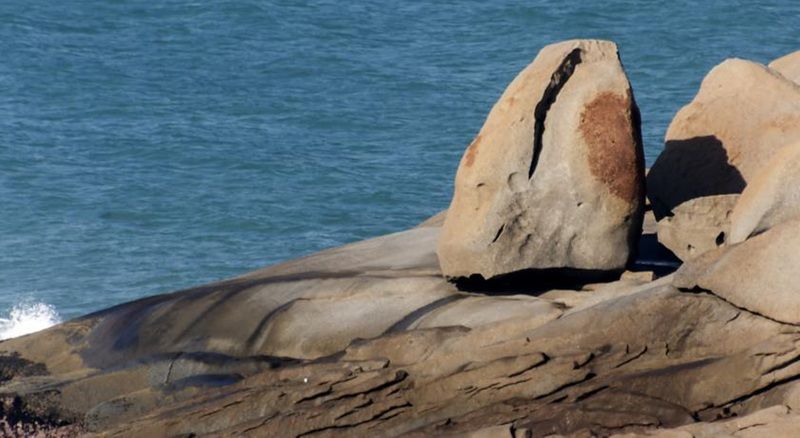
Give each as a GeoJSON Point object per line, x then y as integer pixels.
{"type": "Point", "coordinates": [27, 317]}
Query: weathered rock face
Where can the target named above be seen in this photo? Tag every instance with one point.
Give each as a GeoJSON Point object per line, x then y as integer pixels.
{"type": "Point", "coordinates": [771, 198]}
{"type": "Point", "coordinates": [277, 352]}
{"type": "Point", "coordinates": [697, 225]}
{"type": "Point", "coordinates": [759, 274]}
{"type": "Point", "coordinates": [742, 115]}
{"type": "Point", "coordinates": [555, 176]}
{"type": "Point", "coordinates": [370, 339]}
{"type": "Point", "coordinates": [788, 66]}
{"type": "Point", "coordinates": [775, 421]}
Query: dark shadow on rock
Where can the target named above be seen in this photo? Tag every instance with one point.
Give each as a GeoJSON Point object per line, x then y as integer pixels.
{"type": "Point", "coordinates": [689, 169]}
{"type": "Point", "coordinates": [535, 281]}
{"type": "Point", "coordinates": [650, 256]}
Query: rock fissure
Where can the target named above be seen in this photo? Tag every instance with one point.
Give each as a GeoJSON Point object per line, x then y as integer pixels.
{"type": "Point", "coordinates": [557, 82]}
{"type": "Point", "coordinates": [700, 290]}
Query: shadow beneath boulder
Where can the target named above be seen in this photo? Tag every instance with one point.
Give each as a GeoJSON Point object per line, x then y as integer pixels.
{"type": "Point", "coordinates": [689, 169]}
{"type": "Point", "coordinates": [650, 256]}
{"type": "Point", "coordinates": [535, 281]}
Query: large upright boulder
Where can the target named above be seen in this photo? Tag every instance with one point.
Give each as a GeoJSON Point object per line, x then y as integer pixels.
{"type": "Point", "coordinates": [743, 113]}
{"type": "Point", "coordinates": [788, 66]}
{"type": "Point", "coordinates": [771, 198]}
{"type": "Point", "coordinates": [555, 177]}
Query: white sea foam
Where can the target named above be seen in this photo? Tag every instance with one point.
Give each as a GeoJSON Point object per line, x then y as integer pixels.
{"type": "Point", "coordinates": [28, 317]}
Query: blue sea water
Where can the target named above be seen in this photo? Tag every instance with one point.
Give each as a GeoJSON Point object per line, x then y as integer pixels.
{"type": "Point", "coordinates": [151, 146]}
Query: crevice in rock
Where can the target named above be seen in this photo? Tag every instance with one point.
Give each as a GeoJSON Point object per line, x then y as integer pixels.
{"type": "Point", "coordinates": [631, 359]}
{"type": "Point", "coordinates": [534, 281]}
{"type": "Point", "coordinates": [406, 322]}
{"type": "Point", "coordinates": [734, 318]}
{"type": "Point", "coordinates": [587, 377]}
{"type": "Point", "coordinates": [557, 82]}
{"type": "Point", "coordinates": [257, 338]}
{"type": "Point", "coordinates": [261, 424]}
{"type": "Point", "coordinates": [700, 290]}
{"type": "Point", "coordinates": [355, 409]}
{"type": "Point", "coordinates": [750, 426]}
{"type": "Point", "coordinates": [399, 376]}
{"type": "Point", "coordinates": [706, 414]}
{"type": "Point", "coordinates": [328, 389]}
{"type": "Point", "coordinates": [381, 416]}
{"type": "Point", "coordinates": [782, 365]}
{"type": "Point", "coordinates": [591, 393]}
{"type": "Point", "coordinates": [544, 360]}
{"type": "Point", "coordinates": [499, 233]}
{"type": "Point", "coordinates": [585, 361]}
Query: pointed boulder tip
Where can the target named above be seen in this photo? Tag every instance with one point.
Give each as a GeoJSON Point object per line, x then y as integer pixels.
{"type": "Point", "coordinates": [555, 177]}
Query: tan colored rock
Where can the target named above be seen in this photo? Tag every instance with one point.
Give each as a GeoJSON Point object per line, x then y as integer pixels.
{"type": "Point", "coordinates": [771, 198]}
{"type": "Point", "coordinates": [788, 66]}
{"type": "Point", "coordinates": [434, 221]}
{"type": "Point", "coordinates": [759, 274]}
{"type": "Point", "coordinates": [555, 176]}
{"type": "Point", "coordinates": [638, 276]}
{"type": "Point", "coordinates": [369, 340]}
{"type": "Point", "coordinates": [620, 359]}
{"type": "Point", "coordinates": [655, 358]}
{"type": "Point", "coordinates": [775, 422]}
{"type": "Point", "coordinates": [742, 115]}
{"type": "Point", "coordinates": [697, 225]}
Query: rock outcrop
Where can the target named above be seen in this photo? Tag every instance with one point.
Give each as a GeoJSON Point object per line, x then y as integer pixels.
{"type": "Point", "coordinates": [618, 357]}
{"type": "Point", "coordinates": [788, 66]}
{"type": "Point", "coordinates": [742, 115]}
{"type": "Point", "coordinates": [771, 198]}
{"type": "Point", "coordinates": [775, 421]}
{"type": "Point", "coordinates": [554, 179]}
{"type": "Point", "coordinates": [371, 339]}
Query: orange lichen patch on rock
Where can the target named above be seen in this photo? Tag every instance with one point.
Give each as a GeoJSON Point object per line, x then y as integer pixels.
{"type": "Point", "coordinates": [472, 150]}
{"type": "Point", "coordinates": [606, 128]}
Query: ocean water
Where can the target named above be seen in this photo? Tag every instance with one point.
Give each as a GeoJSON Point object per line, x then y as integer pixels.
{"type": "Point", "coordinates": [151, 146]}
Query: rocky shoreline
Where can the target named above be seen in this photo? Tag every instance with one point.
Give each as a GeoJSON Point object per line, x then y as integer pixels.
{"type": "Point", "coordinates": [550, 299]}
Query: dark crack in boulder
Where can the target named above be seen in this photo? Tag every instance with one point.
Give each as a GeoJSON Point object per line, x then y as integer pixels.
{"type": "Point", "coordinates": [554, 178]}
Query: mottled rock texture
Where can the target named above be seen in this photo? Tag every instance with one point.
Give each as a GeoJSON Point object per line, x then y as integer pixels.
{"type": "Point", "coordinates": [697, 225]}
{"type": "Point", "coordinates": [554, 178]}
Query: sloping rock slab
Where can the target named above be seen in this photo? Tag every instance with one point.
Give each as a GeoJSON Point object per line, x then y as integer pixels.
{"type": "Point", "coordinates": [759, 274]}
